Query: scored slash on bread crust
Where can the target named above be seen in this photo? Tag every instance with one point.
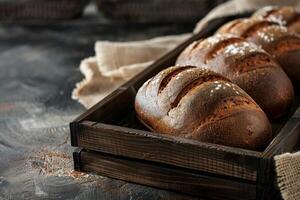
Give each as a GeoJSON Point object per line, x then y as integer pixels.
{"type": "Point", "coordinates": [247, 65]}
{"type": "Point", "coordinates": [251, 30]}
{"type": "Point", "coordinates": [285, 44]}
{"type": "Point", "coordinates": [220, 46]}
{"type": "Point", "coordinates": [253, 61]}
{"type": "Point", "coordinates": [285, 15]}
{"type": "Point", "coordinates": [272, 37]}
{"type": "Point", "coordinates": [194, 84]}
{"type": "Point", "coordinates": [167, 79]}
{"type": "Point", "coordinates": [221, 111]}
{"type": "Point", "coordinates": [187, 101]}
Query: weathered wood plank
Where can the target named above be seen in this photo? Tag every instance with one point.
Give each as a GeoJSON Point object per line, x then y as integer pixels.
{"type": "Point", "coordinates": [190, 154]}
{"type": "Point", "coordinates": [165, 177]}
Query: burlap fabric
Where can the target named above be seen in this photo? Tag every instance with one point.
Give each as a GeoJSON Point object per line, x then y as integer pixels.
{"type": "Point", "coordinates": [288, 175]}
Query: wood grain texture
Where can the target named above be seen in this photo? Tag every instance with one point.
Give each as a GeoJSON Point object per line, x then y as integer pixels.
{"type": "Point", "coordinates": [297, 113]}
{"type": "Point", "coordinates": [165, 177]}
{"type": "Point", "coordinates": [166, 149]}
{"type": "Point", "coordinates": [287, 139]}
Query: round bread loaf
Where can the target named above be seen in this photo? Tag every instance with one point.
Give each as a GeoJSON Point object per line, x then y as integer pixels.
{"type": "Point", "coordinates": [285, 15]}
{"type": "Point", "coordinates": [246, 65]}
{"type": "Point", "coordinates": [195, 103]}
{"type": "Point", "coordinates": [275, 39]}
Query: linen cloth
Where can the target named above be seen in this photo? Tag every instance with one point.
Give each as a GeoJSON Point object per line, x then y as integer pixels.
{"type": "Point", "coordinates": [116, 62]}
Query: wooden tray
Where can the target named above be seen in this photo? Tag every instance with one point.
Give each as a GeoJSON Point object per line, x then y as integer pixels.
{"type": "Point", "coordinates": [118, 146]}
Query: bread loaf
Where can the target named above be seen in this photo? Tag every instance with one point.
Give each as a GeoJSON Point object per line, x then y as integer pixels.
{"type": "Point", "coordinates": [285, 15]}
{"type": "Point", "coordinates": [275, 39]}
{"type": "Point", "coordinates": [246, 65]}
{"type": "Point", "coordinates": [194, 103]}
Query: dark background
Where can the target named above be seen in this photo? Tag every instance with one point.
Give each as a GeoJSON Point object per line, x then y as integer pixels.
{"type": "Point", "coordinates": [38, 69]}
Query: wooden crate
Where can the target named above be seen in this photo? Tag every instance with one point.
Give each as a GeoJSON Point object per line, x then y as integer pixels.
{"type": "Point", "coordinates": [118, 146]}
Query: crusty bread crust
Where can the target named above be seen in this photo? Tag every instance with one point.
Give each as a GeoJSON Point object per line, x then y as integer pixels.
{"type": "Point", "coordinates": [272, 37]}
{"type": "Point", "coordinates": [199, 104]}
{"type": "Point", "coordinates": [285, 15]}
{"type": "Point", "coordinates": [247, 65]}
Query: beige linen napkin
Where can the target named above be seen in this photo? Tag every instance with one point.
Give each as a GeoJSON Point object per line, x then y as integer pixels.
{"type": "Point", "coordinates": [116, 62]}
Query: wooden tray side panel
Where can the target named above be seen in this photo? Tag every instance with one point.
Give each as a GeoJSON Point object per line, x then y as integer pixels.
{"type": "Point", "coordinates": [165, 177]}
{"type": "Point", "coordinates": [287, 140]}
{"type": "Point", "coordinates": [164, 149]}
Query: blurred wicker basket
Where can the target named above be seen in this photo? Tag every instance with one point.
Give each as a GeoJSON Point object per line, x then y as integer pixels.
{"type": "Point", "coordinates": [156, 10]}
{"type": "Point", "coordinates": [41, 9]}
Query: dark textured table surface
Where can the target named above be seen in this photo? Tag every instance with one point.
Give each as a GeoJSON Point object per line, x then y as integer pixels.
{"type": "Point", "coordinates": [38, 70]}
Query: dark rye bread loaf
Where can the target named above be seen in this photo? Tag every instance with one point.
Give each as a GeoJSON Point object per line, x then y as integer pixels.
{"type": "Point", "coordinates": [246, 65]}
{"type": "Point", "coordinates": [285, 15]}
{"type": "Point", "coordinates": [275, 39]}
{"type": "Point", "coordinates": [195, 103]}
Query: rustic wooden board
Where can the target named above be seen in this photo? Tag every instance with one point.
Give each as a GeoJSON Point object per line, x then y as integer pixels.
{"type": "Point", "coordinates": [163, 176]}
{"type": "Point", "coordinates": [166, 149]}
